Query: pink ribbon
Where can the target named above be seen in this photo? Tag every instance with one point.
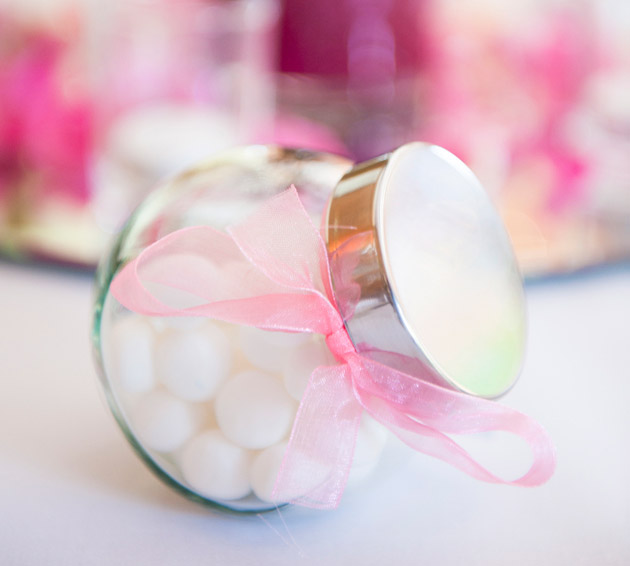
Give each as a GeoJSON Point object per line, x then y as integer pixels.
{"type": "Point", "coordinates": [272, 272]}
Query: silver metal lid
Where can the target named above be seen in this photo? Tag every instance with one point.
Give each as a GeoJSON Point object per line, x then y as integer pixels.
{"type": "Point", "coordinates": [423, 267]}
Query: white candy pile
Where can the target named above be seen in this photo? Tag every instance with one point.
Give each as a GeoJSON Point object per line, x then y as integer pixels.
{"type": "Point", "coordinates": [219, 400]}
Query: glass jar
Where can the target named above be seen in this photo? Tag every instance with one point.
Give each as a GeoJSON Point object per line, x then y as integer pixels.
{"type": "Point", "coordinates": [209, 406]}
{"type": "Point", "coordinates": [219, 192]}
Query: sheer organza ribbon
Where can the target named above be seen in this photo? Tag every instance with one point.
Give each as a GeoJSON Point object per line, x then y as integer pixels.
{"type": "Point", "coordinates": [271, 271]}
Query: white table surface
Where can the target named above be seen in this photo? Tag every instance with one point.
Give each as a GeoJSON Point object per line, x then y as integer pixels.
{"type": "Point", "coordinates": [72, 492]}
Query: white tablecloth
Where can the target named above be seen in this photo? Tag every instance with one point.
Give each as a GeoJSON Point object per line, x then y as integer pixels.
{"type": "Point", "coordinates": [73, 493]}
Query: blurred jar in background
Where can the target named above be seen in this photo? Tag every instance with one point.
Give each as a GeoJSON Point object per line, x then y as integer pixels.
{"type": "Point", "coordinates": [354, 65]}
{"type": "Point", "coordinates": [174, 81]}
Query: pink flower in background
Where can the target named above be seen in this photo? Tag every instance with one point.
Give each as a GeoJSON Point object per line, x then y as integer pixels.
{"type": "Point", "coordinates": [510, 93]}
{"type": "Point", "coordinates": [9, 127]}
{"type": "Point", "coordinates": [44, 133]}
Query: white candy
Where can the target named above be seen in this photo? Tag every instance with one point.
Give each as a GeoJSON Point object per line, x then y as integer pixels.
{"type": "Point", "coordinates": [264, 471]}
{"type": "Point", "coordinates": [134, 340]}
{"type": "Point", "coordinates": [162, 422]}
{"type": "Point", "coordinates": [216, 468]}
{"type": "Point", "coordinates": [193, 364]}
{"type": "Point", "coordinates": [300, 363]}
{"type": "Point", "coordinates": [267, 349]}
{"type": "Point", "coordinates": [371, 439]}
{"type": "Point", "coordinates": [177, 298]}
{"type": "Point", "coordinates": [254, 411]}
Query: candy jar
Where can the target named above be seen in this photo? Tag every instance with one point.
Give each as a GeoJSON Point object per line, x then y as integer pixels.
{"type": "Point", "coordinates": [211, 348]}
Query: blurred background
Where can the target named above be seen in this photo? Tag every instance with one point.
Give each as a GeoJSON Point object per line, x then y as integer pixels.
{"type": "Point", "coordinates": [100, 100]}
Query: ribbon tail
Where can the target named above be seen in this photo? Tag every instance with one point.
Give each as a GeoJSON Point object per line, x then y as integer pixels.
{"type": "Point", "coordinates": [317, 461]}
{"type": "Point", "coordinates": [420, 413]}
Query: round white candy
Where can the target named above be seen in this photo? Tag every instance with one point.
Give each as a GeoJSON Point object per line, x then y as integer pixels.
{"type": "Point", "coordinates": [264, 470]}
{"type": "Point", "coordinates": [253, 410]}
{"type": "Point", "coordinates": [162, 422]}
{"type": "Point", "coordinates": [267, 349]}
{"type": "Point", "coordinates": [193, 364]}
{"type": "Point", "coordinates": [134, 340]}
{"type": "Point", "coordinates": [300, 363]}
{"type": "Point", "coordinates": [215, 467]}
{"type": "Point", "coordinates": [307, 476]}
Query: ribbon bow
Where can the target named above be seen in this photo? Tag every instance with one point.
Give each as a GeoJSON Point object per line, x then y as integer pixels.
{"type": "Point", "coordinates": [272, 272]}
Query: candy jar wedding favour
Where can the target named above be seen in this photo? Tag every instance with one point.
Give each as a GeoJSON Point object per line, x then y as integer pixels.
{"type": "Point", "coordinates": [265, 319]}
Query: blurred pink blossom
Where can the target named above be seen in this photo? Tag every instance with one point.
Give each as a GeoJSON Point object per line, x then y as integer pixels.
{"type": "Point", "coordinates": [44, 134]}
{"type": "Point", "coordinates": [512, 94]}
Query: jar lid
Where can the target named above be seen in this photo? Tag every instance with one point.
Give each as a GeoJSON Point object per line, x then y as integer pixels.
{"type": "Point", "coordinates": [422, 266]}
